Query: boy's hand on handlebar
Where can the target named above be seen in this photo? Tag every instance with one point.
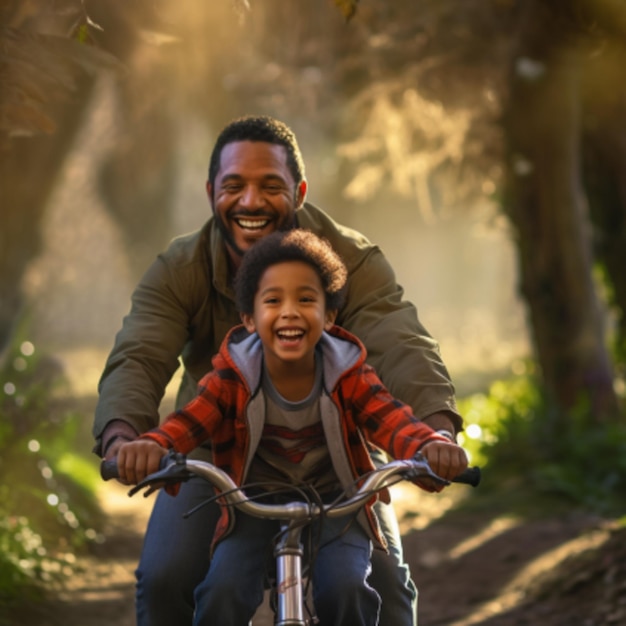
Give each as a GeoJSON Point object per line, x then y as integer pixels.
{"type": "Point", "coordinates": [137, 459]}
{"type": "Point", "coordinates": [447, 460]}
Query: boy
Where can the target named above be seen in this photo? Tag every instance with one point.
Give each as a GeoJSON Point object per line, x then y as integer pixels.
{"type": "Point", "coordinates": [291, 400]}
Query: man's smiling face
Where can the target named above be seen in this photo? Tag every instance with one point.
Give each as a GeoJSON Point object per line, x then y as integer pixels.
{"type": "Point", "coordinates": [254, 194]}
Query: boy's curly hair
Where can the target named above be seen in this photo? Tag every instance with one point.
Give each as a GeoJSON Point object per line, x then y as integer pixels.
{"type": "Point", "coordinates": [291, 245]}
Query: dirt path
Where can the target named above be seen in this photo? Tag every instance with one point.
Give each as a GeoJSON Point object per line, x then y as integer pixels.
{"type": "Point", "coordinates": [102, 591]}
{"type": "Point", "coordinates": [472, 568]}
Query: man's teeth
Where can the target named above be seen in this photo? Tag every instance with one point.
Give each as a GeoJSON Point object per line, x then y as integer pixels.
{"type": "Point", "coordinates": [252, 224]}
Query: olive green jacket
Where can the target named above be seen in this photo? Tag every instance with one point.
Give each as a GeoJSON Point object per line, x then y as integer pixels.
{"type": "Point", "coordinates": [184, 306]}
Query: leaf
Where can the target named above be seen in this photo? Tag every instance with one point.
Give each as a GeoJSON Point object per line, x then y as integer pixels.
{"type": "Point", "coordinates": [347, 7]}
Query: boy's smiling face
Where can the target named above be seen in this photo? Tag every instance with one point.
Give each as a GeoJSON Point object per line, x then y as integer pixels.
{"type": "Point", "coordinates": [289, 314]}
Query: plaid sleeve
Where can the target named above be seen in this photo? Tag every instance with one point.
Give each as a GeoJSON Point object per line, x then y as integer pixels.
{"type": "Point", "coordinates": [203, 417]}
{"type": "Point", "coordinates": [384, 420]}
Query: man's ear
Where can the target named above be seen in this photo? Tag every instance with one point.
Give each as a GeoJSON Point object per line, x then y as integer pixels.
{"type": "Point", "coordinates": [248, 321]}
{"type": "Point", "coordinates": [330, 318]}
{"type": "Point", "coordinates": [301, 192]}
{"type": "Point", "coordinates": [209, 193]}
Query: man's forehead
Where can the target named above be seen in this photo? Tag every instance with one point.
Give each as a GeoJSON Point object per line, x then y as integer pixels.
{"type": "Point", "coordinates": [248, 150]}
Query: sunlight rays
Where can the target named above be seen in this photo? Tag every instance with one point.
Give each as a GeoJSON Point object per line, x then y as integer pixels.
{"type": "Point", "coordinates": [497, 527]}
{"type": "Point", "coordinates": [516, 591]}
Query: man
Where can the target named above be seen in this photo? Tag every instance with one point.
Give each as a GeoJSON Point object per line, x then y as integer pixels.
{"type": "Point", "coordinates": [184, 306]}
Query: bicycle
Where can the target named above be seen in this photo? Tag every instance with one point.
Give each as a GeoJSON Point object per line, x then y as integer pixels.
{"type": "Point", "coordinates": [287, 589]}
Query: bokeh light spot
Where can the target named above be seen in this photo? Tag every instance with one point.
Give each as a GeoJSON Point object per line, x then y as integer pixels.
{"type": "Point", "coordinates": [52, 499]}
{"type": "Point", "coordinates": [20, 364]}
{"type": "Point", "coordinates": [474, 431]}
{"type": "Point", "coordinates": [27, 348]}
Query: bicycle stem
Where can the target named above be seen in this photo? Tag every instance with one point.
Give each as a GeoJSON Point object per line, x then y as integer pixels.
{"type": "Point", "coordinates": [289, 595]}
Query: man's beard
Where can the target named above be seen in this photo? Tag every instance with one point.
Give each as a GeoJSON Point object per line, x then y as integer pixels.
{"type": "Point", "coordinates": [229, 238]}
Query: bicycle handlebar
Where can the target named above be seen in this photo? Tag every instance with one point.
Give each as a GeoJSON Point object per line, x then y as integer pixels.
{"type": "Point", "coordinates": [177, 468]}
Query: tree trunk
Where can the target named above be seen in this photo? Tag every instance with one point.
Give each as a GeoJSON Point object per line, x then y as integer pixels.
{"type": "Point", "coordinates": [29, 168]}
{"type": "Point", "coordinates": [547, 207]}
{"type": "Point", "coordinates": [604, 141]}
{"type": "Point", "coordinates": [137, 182]}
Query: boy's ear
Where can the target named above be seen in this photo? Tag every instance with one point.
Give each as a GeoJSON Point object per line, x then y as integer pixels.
{"type": "Point", "coordinates": [331, 316]}
{"type": "Point", "coordinates": [248, 321]}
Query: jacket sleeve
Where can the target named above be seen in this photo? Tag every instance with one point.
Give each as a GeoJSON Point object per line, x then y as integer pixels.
{"type": "Point", "coordinates": [399, 347]}
{"type": "Point", "coordinates": [385, 421]}
{"type": "Point", "coordinates": [189, 427]}
{"type": "Point", "coordinates": [145, 354]}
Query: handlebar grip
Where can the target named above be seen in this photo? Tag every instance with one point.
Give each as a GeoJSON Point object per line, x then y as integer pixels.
{"type": "Point", "coordinates": [470, 476]}
{"type": "Point", "coordinates": [108, 469]}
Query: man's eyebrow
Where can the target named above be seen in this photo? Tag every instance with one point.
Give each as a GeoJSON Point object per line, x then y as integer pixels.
{"type": "Point", "coordinates": [234, 176]}
{"type": "Point", "coordinates": [230, 177]}
{"type": "Point", "coordinates": [278, 177]}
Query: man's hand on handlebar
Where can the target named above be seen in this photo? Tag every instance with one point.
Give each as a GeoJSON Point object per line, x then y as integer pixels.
{"type": "Point", "coordinates": [137, 459]}
{"type": "Point", "coordinates": [446, 459]}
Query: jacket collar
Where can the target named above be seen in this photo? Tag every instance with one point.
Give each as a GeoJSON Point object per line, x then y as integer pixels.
{"type": "Point", "coordinates": [219, 260]}
{"type": "Point", "coordinates": [342, 352]}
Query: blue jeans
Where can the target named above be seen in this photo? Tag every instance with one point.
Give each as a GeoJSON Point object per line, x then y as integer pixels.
{"type": "Point", "coordinates": [175, 560]}
{"type": "Point", "coordinates": [233, 588]}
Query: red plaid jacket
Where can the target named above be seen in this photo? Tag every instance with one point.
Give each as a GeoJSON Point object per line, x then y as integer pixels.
{"type": "Point", "coordinates": [358, 408]}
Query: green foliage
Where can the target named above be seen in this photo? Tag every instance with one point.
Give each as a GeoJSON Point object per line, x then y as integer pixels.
{"type": "Point", "coordinates": [510, 431]}
{"type": "Point", "coordinates": [47, 504]}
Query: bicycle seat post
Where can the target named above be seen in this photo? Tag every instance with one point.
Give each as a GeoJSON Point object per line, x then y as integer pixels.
{"type": "Point", "coordinates": [289, 552]}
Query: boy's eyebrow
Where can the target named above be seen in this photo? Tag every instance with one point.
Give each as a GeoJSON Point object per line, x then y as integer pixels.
{"type": "Point", "coordinates": [269, 290]}
{"type": "Point", "coordinates": [311, 288]}
{"type": "Point", "coordinates": [278, 288]}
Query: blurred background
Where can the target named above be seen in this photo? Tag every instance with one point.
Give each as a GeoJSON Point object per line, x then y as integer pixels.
{"type": "Point", "coordinates": [382, 156]}
{"type": "Point", "coordinates": [482, 145]}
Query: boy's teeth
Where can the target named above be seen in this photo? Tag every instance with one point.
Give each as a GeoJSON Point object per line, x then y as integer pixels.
{"type": "Point", "coordinates": [290, 333]}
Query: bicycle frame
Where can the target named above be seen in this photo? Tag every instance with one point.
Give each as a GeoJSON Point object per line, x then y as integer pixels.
{"type": "Point", "coordinates": [289, 551]}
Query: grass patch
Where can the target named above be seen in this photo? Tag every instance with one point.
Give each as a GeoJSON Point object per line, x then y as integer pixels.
{"type": "Point", "coordinates": [508, 432]}
{"type": "Point", "coordinates": [48, 505]}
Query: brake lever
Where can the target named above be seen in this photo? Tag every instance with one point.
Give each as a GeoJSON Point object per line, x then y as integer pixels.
{"type": "Point", "coordinates": [470, 476]}
{"type": "Point", "coordinates": [173, 470]}
{"type": "Point", "coordinates": [423, 471]}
